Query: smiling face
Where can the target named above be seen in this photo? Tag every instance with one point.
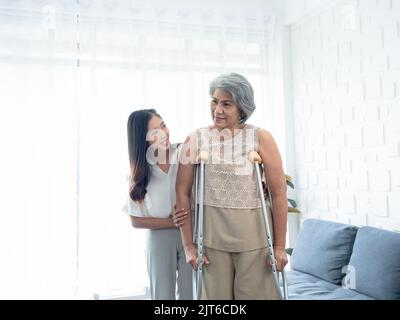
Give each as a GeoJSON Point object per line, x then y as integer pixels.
{"type": "Point", "coordinates": [224, 112]}
{"type": "Point", "coordinates": [158, 133]}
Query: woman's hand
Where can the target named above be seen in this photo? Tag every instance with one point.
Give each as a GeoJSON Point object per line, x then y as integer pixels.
{"type": "Point", "coordinates": [179, 217]}
{"type": "Point", "coordinates": [192, 258]}
{"type": "Point", "coordinates": [280, 257]}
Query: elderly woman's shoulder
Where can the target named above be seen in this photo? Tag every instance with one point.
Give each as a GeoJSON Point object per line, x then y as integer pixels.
{"type": "Point", "coordinates": [264, 135]}
{"type": "Point", "coordinates": [260, 130]}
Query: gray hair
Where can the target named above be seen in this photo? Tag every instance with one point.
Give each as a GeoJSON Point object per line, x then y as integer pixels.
{"type": "Point", "coordinates": [239, 88]}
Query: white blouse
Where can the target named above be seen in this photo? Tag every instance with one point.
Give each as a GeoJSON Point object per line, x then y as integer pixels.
{"type": "Point", "coordinates": [160, 198]}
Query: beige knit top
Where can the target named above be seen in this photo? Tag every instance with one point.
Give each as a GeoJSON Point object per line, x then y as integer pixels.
{"type": "Point", "coordinates": [230, 179]}
{"type": "Point", "coordinates": [233, 219]}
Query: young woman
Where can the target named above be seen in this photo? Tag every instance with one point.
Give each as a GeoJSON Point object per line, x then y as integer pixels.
{"type": "Point", "coordinates": [151, 203]}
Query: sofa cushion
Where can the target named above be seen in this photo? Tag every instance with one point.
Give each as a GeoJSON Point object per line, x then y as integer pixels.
{"type": "Point", "coordinates": [323, 248]}
{"type": "Point", "coordinates": [376, 263]}
{"type": "Point", "coordinates": [303, 286]}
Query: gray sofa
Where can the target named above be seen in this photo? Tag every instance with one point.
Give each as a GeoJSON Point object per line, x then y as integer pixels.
{"type": "Point", "coordinates": [338, 261]}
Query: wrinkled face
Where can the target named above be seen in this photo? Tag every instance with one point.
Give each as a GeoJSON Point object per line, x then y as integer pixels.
{"type": "Point", "coordinates": [158, 133]}
{"type": "Point", "coordinates": [224, 112]}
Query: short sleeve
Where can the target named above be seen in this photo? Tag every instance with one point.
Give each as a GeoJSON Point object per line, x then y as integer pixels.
{"type": "Point", "coordinates": [132, 208]}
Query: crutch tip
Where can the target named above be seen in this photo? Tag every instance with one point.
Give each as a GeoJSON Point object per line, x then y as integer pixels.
{"type": "Point", "coordinates": [255, 157]}
{"type": "Point", "coordinates": [203, 156]}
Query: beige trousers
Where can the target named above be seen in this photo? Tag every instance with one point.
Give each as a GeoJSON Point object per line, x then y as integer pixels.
{"type": "Point", "coordinates": [238, 276]}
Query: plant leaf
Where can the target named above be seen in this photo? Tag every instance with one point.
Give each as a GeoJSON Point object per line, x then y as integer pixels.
{"type": "Point", "coordinates": [290, 184]}
{"type": "Point", "coordinates": [293, 203]}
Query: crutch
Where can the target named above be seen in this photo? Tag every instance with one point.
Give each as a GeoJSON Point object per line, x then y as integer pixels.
{"type": "Point", "coordinates": [197, 276]}
{"type": "Point", "coordinates": [256, 159]}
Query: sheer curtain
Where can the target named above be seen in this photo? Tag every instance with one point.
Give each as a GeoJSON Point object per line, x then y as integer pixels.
{"type": "Point", "coordinates": [71, 72]}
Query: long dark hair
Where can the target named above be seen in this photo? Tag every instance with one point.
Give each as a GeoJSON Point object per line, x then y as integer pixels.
{"type": "Point", "coordinates": [138, 123]}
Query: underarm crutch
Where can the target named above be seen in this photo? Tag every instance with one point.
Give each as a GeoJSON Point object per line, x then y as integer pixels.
{"type": "Point", "coordinates": [197, 276]}
{"type": "Point", "coordinates": [255, 157]}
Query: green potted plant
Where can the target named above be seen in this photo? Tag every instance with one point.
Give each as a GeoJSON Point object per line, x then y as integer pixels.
{"type": "Point", "coordinates": [292, 207]}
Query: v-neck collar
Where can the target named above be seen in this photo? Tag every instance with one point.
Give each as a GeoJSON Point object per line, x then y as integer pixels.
{"type": "Point", "coordinates": [162, 171]}
{"type": "Point", "coordinates": [172, 155]}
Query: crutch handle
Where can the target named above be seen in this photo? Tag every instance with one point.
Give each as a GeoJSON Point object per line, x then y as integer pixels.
{"type": "Point", "coordinates": [202, 157]}
{"type": "Point", "coordinates": [255, 157]}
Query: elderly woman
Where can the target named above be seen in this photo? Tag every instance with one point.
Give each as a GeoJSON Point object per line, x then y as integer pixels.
{"type": "Point", "coordinates": [235, 245]}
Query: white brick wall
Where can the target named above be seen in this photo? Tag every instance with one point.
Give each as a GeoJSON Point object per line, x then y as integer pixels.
{"type": "Point", "coordinates": [346, 93]}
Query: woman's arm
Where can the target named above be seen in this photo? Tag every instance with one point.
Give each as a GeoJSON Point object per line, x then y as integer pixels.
{"type": "Point", "coordinates": [184, 182]}
{"type": "Point", "coordinates": [275, 175]}
{"type": "Point", "coordinates": [154, 223]}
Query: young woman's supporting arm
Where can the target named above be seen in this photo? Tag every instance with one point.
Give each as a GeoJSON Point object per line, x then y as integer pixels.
{"type": "Point", "coordinates": [153, 223]}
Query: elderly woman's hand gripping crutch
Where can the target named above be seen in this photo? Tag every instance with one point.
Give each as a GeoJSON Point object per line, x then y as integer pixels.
{"type": "Point", "coordinates": [275, 253]}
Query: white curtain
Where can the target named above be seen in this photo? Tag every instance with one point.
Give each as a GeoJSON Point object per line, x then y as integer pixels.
{"type": "Point", "coordinates": [71, 72]}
